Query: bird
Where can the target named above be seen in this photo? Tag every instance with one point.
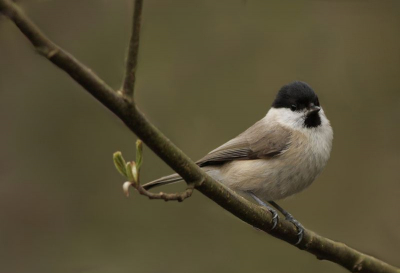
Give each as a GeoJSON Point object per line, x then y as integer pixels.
{"type": "Point", "coordinates": [279, 156]}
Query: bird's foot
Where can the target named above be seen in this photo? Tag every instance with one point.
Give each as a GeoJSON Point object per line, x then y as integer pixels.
{"type": "Point", "coordinates": [290, 218]}
{"type": "Point", "coordinates": [275, 216]}
{"type": "Point", "coordinates": [300, 228]}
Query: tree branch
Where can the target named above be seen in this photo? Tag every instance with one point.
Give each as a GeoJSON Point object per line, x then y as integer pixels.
{"type": "Point", "coordinates": [127, 111]}
{"type": "Point", "coordinates": [133, 51]}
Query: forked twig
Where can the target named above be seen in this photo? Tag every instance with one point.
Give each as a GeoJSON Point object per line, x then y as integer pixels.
{"type": "Point", "coordinates": [131, 170]}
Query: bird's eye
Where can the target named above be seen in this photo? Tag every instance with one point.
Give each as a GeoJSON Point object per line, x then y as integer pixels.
{"type": "Point", "coordinates": [293, 107]}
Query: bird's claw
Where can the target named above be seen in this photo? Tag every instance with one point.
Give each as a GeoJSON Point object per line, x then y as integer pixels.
{"type": "Point", "coordinates": [299, 227]}
{"type": "Point", "coordinates": [275, 218]}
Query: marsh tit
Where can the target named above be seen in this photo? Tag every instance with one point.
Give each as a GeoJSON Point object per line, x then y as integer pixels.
{"type": "Point", "coordinates": [278, 156]}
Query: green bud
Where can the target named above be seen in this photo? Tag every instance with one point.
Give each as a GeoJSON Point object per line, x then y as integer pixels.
{"type": "Point", "coordinates": [131, 172]}
{"type": "Point", "coordinates": [119, 163]}
{"type": "Point", "coordinates": [139, 155]}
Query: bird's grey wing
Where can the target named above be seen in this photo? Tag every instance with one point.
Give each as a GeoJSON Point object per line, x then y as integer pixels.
{"type": "Point", "coordinates": [262, 140]}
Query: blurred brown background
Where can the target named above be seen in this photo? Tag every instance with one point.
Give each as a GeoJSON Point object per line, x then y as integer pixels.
{"type": "Point", "coordinates": [208, 70]}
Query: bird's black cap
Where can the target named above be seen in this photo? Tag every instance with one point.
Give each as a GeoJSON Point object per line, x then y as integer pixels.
{"type": "Point", "coordinates": [296, 94]}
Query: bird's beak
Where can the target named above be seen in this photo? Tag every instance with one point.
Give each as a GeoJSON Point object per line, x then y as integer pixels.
{"type": "Point", "coordinates": [313, 109]}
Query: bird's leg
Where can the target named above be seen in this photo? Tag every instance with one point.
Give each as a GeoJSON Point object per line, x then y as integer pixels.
{"type": "Point", "coordinates": [275, 216]}
{"type": "Point", "coordinates": [291, 219]}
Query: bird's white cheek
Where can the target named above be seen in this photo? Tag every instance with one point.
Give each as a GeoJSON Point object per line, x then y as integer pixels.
{"type": "Point", "coordinates": [287, 117]}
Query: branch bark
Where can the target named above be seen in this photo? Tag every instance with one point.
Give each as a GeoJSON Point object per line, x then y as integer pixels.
{"type": "Point", "coordinates": [133, 51]}
{"type": "Point", "coordinates": [121, 104]}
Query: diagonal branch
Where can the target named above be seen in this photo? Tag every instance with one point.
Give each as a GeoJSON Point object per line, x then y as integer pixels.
{"type": "Point", "coordinates": [133, 51]}
{"type": "Point", "coordinates": [44, 46]}
{"type": "Point", "coordinates": [122, 106]}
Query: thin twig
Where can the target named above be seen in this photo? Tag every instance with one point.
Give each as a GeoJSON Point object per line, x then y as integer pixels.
{"type": "Point", "coordinates": [321, 247]}
{"type": "Point", "coordinates": [131, 170]}
{"type": "Point", "coordinates": [133, 51]}
{"type": "Point", "coordinates": [179, 196]}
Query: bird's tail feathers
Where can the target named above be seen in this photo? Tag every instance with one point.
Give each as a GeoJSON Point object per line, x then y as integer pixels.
{"type": "Point", "coordinates": [165, 180]}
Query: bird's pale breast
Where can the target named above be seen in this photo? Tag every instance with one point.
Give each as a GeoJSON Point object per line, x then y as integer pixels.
{"type": "Point", "coordinates": [283, 175]}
